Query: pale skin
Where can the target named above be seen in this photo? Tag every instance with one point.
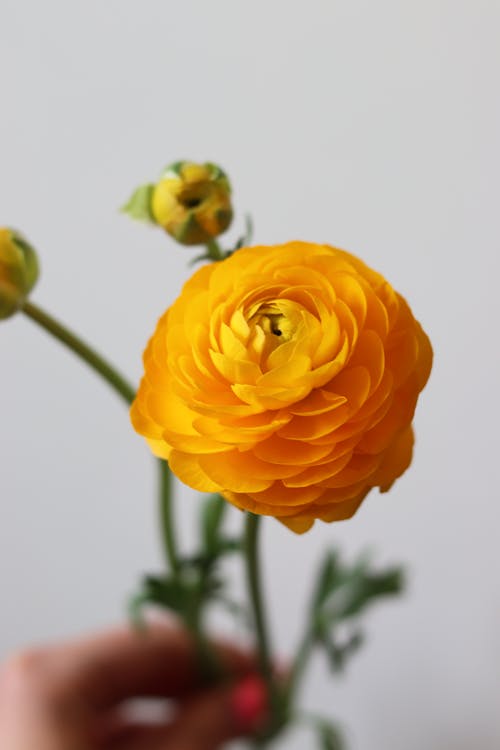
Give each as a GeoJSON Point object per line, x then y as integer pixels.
{"type": "Point", "coordinates": [70, 696]}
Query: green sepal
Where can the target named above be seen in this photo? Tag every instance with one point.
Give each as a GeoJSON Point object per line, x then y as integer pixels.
{"type": "Point", "coordinates": [139, 205]}
{"type": "Point", "coordinates": [190, 232]}
{"type": "Point", "coordinates": [218, 175]}
{"type": "Point", "coordinates": [31, 265]}
{"type": "Point", "coordinates": [173, 169]}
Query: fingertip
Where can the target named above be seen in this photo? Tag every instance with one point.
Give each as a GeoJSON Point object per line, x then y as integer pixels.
{"type": "Point", "coordinates": [249, 705]}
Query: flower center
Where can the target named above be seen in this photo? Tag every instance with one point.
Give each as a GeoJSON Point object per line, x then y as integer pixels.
{"type": "Point", "coordinates": [273, 323]}
{"type": "Point", "coordinates": [277, 324]}
{"type": "Point", "coordinates": [192, 196]}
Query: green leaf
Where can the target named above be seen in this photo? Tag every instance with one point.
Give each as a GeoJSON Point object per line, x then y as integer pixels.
{"type": "Point", "coordinates": [139, 205]}
{"type": "Point", "coordinates": [338, 654]}
{"type": "Point", "coordinates": [343, 592]}
{"type": "Point", "coordinates": [328, 579]}
{"type": "Point", "coordinates": [362, 588]}
{"type": "Point", "coordinates": [389, 582]}
{"type": "Point", "coordinates": [166, 592]}
{"type": "Point", "coordinates": [329, 737]}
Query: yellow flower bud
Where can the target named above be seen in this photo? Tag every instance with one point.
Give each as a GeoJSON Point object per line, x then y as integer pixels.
{"type": "Point", "coordinates": [192, 202]}
{"type": "Point", "coordinates": [18, 271]}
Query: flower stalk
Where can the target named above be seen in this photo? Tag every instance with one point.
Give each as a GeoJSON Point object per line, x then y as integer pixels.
{"type": "Point", "coordinates": [299, 665]}
{"type": "Point", "coordinates": [166, 517]}
{"type": "Point", "coordinates": [214, 251]}
{"type": "Point", "coordinates": [82, 350]}
{"type": "Point", "coordinates": [251, 553]}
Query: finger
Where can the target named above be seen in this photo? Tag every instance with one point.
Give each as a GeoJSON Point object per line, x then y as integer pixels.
{"type": "Point", "coordinates": [122, 663]}
{"type": "Point", "coordinates": [205, 722]}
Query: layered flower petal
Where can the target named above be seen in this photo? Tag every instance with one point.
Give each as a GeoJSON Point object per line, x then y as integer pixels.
{"type": "Point", "coordinates": [286, 379]}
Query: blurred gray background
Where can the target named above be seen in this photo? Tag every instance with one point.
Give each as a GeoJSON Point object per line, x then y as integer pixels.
{"type": "Point", "coordinates": [369, 125]}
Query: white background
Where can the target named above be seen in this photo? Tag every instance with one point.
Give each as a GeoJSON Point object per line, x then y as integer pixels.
{"type": "Point", "coordinates": [370, 125]}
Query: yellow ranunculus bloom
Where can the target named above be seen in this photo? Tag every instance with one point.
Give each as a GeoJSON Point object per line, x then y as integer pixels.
{"type": "Point", "coordinates": [18, 271]}
{"type": "Point", "coordinates": [286, 379]}
{"type": "Point", "coordinates": [192, 202]}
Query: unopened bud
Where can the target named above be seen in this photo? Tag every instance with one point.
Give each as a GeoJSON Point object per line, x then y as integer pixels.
{"type": "Point", "coordinates": [18, 271]}
{"type": "Point", "coordinates": [192, 202]}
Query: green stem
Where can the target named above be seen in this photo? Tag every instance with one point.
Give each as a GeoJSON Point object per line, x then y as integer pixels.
{"type": "Point", "coordinates": [211, 669]}
{"type": "Point", "coordinates": [251, 552]}
{"type": "Point", "coordinates": [299, 665]}
{"type": "Point", "coordinates": [127, 392]}
{"type": "Point", "coordinates": [166, 517]}
{"type": "Point", "coordinates": [255, 590]}
{"type": "Point", "coordinates": [214, 250]}
{"type": "Point", "coordinates": [83, 350]}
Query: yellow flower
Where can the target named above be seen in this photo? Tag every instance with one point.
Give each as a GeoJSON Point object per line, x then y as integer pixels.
{"type": "Point", "coordinates": [18, 271]}
{"type": "Point", "coordinates": [192, 202]}
{"type": "Point", "coordinates": [285, 378]}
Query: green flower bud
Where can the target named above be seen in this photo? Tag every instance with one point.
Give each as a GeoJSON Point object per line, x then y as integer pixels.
{"type": "Point", "coordinates": [18, 271]}
{"type": "Point", "coordinates": [192, 202]}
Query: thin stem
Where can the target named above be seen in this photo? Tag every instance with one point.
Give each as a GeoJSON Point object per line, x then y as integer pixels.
{"type": "Point", "coordinates": [83, 350]}
{"type": "Point", "coordinates": [214, 250]}
{"type": "Point", "coordinates": [255, 591]}
{"type": "Point", "coordinates": [211, 669]}
{"type": "Point", "coordinates": [166, 517]}
{"type": "Point", "coordinates": [300, 664]}
{"type": "Point", "coordinates": [276, 703]}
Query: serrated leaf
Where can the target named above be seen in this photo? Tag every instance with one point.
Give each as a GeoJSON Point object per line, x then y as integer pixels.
{"type": "Point", "coordinates": [343, 592]}
{"type": "Point", "coordinates": [166, 592]}
{"type": "Point", "coordinates": [366, 587]}
{"type": "Point", "coordinates": [339, 653]}
{"type": "Point", "coordinates": [139, 205]}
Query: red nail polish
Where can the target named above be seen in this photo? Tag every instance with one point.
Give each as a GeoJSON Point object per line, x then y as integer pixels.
{"type": "Point", "coordinates": [249, 704]}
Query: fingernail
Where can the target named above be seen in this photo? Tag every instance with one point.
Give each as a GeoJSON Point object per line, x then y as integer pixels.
{"type": "Point", "coordinates": [249, 704]}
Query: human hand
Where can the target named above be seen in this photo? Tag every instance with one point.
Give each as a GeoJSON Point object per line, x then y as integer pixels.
{"type": "Point", "coordinates": [71, 696]}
